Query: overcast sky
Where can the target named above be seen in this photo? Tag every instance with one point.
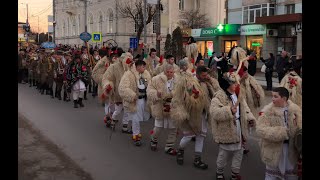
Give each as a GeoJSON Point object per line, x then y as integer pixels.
{"type": "Point", "coordinates": [37, 8]}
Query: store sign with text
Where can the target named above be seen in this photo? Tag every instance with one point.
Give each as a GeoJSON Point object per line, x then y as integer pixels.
{"type": "Point", "coordinates": [221, 30]}
{"type": "Point", "coordinates": [195, 32]}
{"type": "Point", "coordinates": [256, 29]}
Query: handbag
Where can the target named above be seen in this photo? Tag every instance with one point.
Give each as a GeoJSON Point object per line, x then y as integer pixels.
{"type": "Point", "coordinates": [263, 68]}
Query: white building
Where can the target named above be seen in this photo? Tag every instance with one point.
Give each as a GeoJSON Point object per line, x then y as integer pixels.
{"type": "Point", "coordinates": [103, 16]}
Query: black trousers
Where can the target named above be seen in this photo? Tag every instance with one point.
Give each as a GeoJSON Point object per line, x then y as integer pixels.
{"type": "Point", "coordinates": [269, 80]}
{"type": "Point", "coordinates": [280, 76]}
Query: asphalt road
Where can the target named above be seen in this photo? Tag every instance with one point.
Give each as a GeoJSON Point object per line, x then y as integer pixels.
{"type": "Point", "coordinates": [82, 135]}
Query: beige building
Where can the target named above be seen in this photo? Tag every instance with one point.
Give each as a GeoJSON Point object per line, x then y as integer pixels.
{"type": "Point", "coordinates": [103, 16]}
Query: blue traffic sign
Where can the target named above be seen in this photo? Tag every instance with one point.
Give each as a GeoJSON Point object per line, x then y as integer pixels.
{"type": "Point", "coordinates": [85, 36]}
{"type": "Point", "coordinates": [96, 37]}
{"type": "Point", "coordinates": [133, 43]}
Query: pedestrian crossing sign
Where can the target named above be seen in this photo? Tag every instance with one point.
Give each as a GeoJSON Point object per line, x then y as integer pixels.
{"type": "Point", "coordinates": [96, 37]}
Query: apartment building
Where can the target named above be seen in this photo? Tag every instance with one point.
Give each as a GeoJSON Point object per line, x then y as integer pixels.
{"type": "Point", "coordinates": [268, 26]}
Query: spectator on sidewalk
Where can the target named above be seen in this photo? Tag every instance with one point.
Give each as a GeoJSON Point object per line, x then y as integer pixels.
{"type": "Point", "coordinates": [252, 68]}
{"type": "Point", "coordinates": [298, 65]}
{"type": "Point", "coordinates": [269, 70]}
{"type": "Point", "coordinates": [282, 65]}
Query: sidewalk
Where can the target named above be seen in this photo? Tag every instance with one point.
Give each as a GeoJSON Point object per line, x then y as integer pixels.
{"type": "Point", "coordinates": [260, 77]}
{"type": "Point", "coordinates": [40, 159]}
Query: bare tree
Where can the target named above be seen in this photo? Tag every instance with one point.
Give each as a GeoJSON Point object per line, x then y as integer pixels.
{"type": "Point", "coordinates": [194, 19]}
{"type": "Point", "coordinates": [135, 12]}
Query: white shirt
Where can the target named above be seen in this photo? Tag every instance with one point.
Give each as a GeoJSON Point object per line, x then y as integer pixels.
{"type": "Point", "coordinates": [236, 146]}
{"type": "Point", "coordinates": [170, 85]}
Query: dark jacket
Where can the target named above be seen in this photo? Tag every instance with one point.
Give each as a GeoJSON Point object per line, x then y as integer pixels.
{"type": "Point", "coordinates": [269, 63]}
{"type": "Point", "coordinates": [282, 64]}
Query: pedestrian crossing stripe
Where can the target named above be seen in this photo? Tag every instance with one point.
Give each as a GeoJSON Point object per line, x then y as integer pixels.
{"type": "Point", "coordinates": [96, 37]}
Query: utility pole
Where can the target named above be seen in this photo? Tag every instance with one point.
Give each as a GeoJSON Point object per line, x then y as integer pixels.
{"type": "Point", "coordinates": [158, 28]}
{"type": "Point", "coordinates": [38, 31]}
{"type": "Point", "coordinates": [27, 34]}
{"type": "Point", "coordinates": [85, 16]}
{"type": "Point", "coordinates": [54, 21]}
{"type": "Point", "coordinates": [145, 27]}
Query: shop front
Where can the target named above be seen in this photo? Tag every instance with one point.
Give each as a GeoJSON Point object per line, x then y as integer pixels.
{"type": "Point", "coordinates": [252, 38]}
{"type": "Point", "coordinates": [218, 39]}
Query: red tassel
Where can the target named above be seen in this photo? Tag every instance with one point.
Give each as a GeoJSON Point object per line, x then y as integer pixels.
{"type": "Point", "coordinates": [238, 90]}
{"type": "Point", "coordinates": [192, 70]}
{"type": "Point", "coordinates": [84, 68]}
{"type": "Point", "coordinates": [128, 61]}
{"type": "Point", "coordinates": [107, 65]}
{"type": "Point", "coordinates": [151, 132]}
{"type": "Point", "coordinates": [261, 113]}
{"type": "Point", "coordinates": [103, 96]}
{"type": "Point", "coordinates": [192, 60]}
{"type": "Point", "coordinates": [108, 89]}
{"type": "Point", "coordinates": [161, 59]}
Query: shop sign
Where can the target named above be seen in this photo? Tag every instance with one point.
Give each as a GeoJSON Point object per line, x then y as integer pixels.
{"type": "Point", "coordinates": [195, 32]}
{"type": "Point", "coordinates": [256, 29]}
{"type": "Point", "coordinates": [256, 44]}
{"type": "Point", "coordinates": [205, 32]}
{"type": "Point", "coordinates": [221, 30]}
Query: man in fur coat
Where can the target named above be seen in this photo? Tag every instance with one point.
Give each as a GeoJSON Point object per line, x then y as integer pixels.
{"type": "Point", "coordinates": [277, 126]}
{"type": "Point", "coordinates": [169, 60]}
{"type": "Point", "coordinates": [190, 110]}
{"type": "Point", "coordinates": [159, 92]}
{"type": "Point", "coordinates": [110, 83]}
{"type": "Point", "coordinates": [252, 92]}
{"type": "Point", "coordinates": [293, 82]}
{"type": "Point", "coordinates": [79, 77]}
{"type": "Point", "coordinates": [97, 74]}
{"type": "Point", "coordinates": [230, 117]}
{"type": "Point", "coordinates": [152, 61]}
{"type": "Point", "coordinates": [132, 89]}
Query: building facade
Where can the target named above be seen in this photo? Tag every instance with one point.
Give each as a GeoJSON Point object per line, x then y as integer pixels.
{"type": "Point", "coordinates": [268, 26]}
{"type": "Point", "coordinates": [103, 16]}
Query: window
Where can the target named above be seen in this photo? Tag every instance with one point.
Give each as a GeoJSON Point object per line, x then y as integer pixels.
{"type": "Point", "coordinates": [63, 29]}
{"type": "Point", "coordinates": [74, 26]}
{"type": "Point", "coordinates": [100, 22]}
{"type": "Point", "coordinates": [154, 24]}
{"type": "Point", "coordinates": [68, 27]}
{"type": "Point", "coordinates": [90, 22]}
{"type": "Point", "coordinates": [196, 4]}
{"type": "Point", "coordinates": [290, 9]}
{"type": "Point", "coordinates": [110, 21]}
{"type": "Point", "coordinates": [251, 16]}
{"type": "Point", "coordinates": [250, 13]}
{"type": "Point", "coordinates": [181, 5]}
{"type": "Point", "coordinates": [78, 33]}
{"type": "Point", "coordinates": [229, 44]}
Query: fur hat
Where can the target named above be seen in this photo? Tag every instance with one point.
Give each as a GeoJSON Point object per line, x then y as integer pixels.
{"type": "Point", "coordinates": [228, 79]}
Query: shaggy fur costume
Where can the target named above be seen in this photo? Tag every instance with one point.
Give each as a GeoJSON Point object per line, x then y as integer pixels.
{"type": "Point", "coordinates": [238, 54]}
{"type": "Point", "coordinates": [192, 51]}
{"type": "Point", "coordinates": [160, 68]}
{"type": "Point", "coordinates": [253, 93]}
{"type": "Point", "coordinates": [97, 74]}
{"type": "Point", "coordinates": [113, 76]}
{"type": "Point", "coordinates": [158, 84]}
{"type": "Point", "coordinates": [128, 88]}
{"type": "Point", "coordinates": [186, 110]}
{"type": "Point", "coordinates": [222, 119]}
{"type": "Point", "coordinates": [272, 132]}
{"type": "Point", "coordinates": [293, 82]}
{"type": "Point", "coordinates": [149, 65]}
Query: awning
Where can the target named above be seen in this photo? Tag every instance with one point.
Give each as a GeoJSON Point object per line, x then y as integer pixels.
{"type": "Point", "coordinates": [285, 18]}
{"type": "Point", "coordinates": [211, 38]}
